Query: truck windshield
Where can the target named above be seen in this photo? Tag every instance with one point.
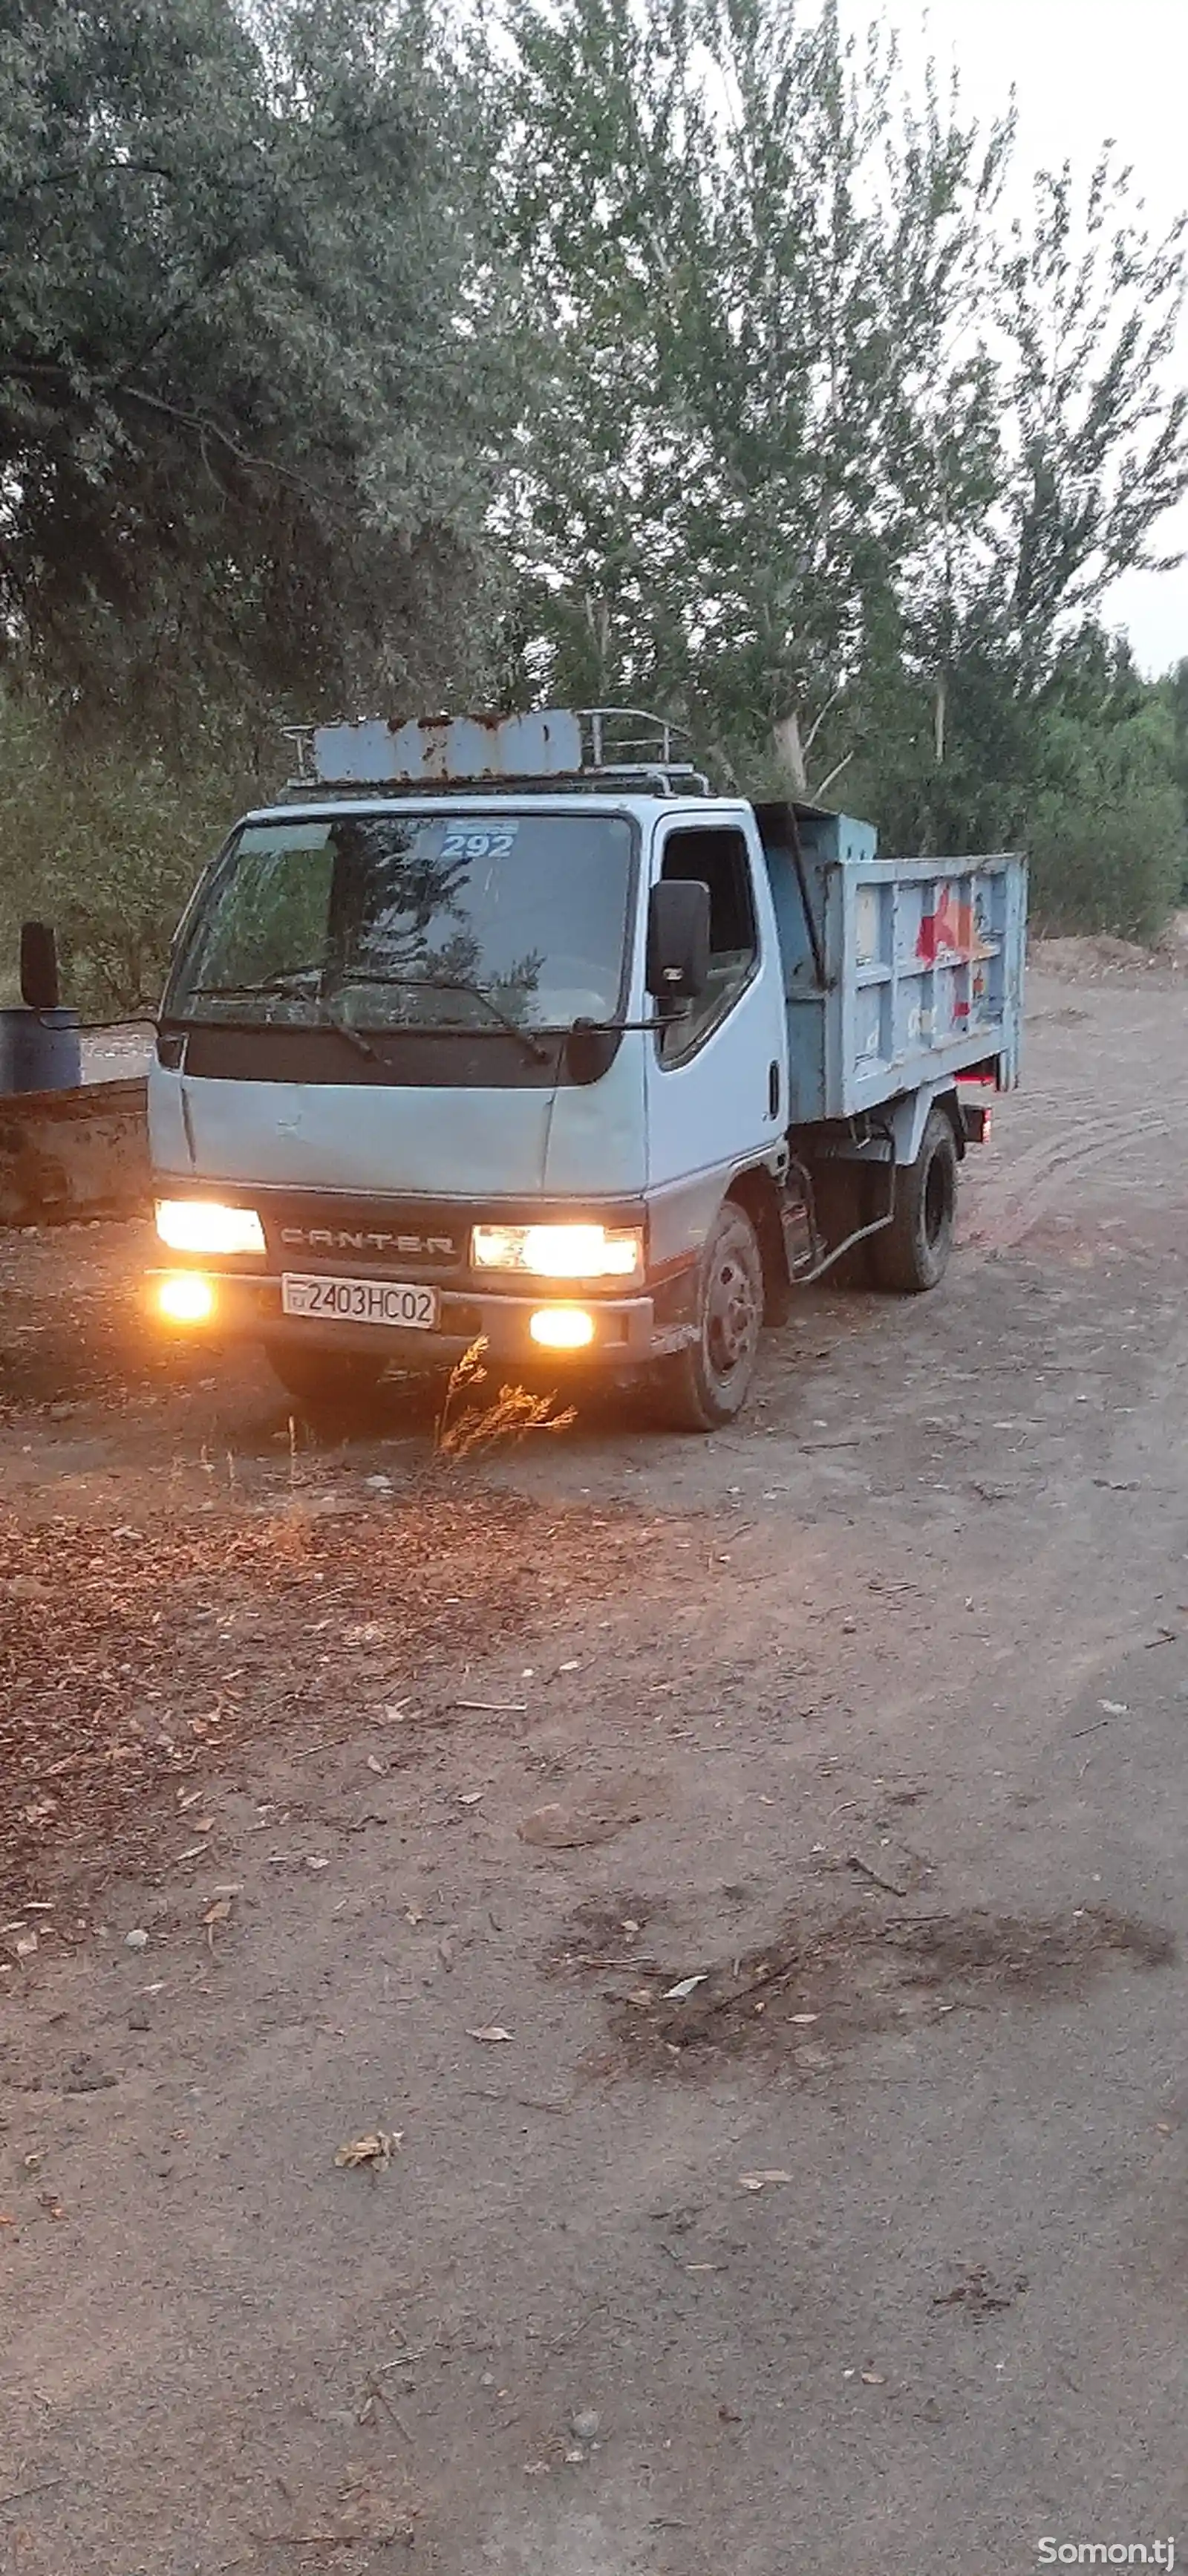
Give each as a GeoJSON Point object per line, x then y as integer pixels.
{"type": "Point", "coordinates": [406, 921]}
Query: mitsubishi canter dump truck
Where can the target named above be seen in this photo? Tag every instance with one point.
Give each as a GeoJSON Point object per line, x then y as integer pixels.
{"type": "Point", "coordinates": [511, 1031]}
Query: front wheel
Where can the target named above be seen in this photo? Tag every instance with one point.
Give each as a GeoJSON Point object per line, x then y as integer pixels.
{"type": "Point", "coordinates": [912, 1253]}
{"type": "Point", "coordinates": [323, 1380]}
{"type": "Point", "coordinates": [706, 1384]}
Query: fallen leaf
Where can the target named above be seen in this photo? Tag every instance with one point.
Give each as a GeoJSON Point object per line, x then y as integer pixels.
{"type": "Point", "coordinates": [676, 1994]}
{"type": "Point", "coordinates": [759, 2181]}
{"type": "Point", "coordinates": [490, 2031]}
{"type": "Point", "coordinates": [375, 2149]}
{"type": "Point", "coordinates": [219, 1912]}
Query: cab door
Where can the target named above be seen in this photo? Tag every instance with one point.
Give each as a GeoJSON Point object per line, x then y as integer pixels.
{"type": "Point", "coordinates": [717, 1074]}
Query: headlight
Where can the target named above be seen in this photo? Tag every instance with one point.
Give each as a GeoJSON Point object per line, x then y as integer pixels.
{"type": "Point", "coordinates": [559, 1251]}
{"type": "Point", "coordinates": [201, 1225]}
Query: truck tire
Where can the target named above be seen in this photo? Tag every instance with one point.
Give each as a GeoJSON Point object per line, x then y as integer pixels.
{"type": "Point", "coordinates": [706, 1384]}
{"type": "Point", "coordinates": [912, 1253]}
{"type": "Point", "coordinates": [326, 1381]}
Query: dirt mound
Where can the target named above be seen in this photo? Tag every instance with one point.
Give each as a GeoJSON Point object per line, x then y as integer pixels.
{"type": "Point", "coordinates": [1100, 959]}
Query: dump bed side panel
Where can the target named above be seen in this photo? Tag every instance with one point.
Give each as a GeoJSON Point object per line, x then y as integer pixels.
{"type": "Point", "coordinates": [897, 972]}
{"type": "Point", "coordinates": [926, 969]}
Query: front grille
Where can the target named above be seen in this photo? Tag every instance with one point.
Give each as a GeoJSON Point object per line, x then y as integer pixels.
{"type": "Point", "coordinates": [309, 1231]}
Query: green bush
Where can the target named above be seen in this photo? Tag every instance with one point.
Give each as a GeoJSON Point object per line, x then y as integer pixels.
{"type": "Point", "coordinates": [106, 844]}
{"type": "Point", "coordinates": [1108, 833]}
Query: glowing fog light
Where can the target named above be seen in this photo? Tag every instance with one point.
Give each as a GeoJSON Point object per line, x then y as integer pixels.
{"type": "Point", "coordinates": [562, 1328]}
{"type": "Point", "coordinates": [560, 1251]}
{"type": "Point", "coordinates": [203, 1225]}
{"type": "Point", "coordinates": [186, 1299]}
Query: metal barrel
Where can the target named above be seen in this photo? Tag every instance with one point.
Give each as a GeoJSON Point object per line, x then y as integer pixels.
{"type": "Point", "coordinates": [39, 1051]}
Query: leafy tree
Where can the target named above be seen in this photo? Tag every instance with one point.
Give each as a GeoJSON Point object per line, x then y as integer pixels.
{"type": "Point", "coordinates": [1098, 446]}
{"type": "Point", "coordinates": [813, 453]}
{"type": "Point", "coordinates": [241, 392]}
{"type": "Point", "coordinates": [106, 842]}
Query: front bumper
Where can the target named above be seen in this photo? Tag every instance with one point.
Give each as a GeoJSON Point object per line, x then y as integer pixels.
{"type": "Point", "coordinates": [247, 1307]}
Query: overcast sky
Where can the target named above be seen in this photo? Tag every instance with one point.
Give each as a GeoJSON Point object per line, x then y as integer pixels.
{"type": "Point", "coordinates": [1082, 70]}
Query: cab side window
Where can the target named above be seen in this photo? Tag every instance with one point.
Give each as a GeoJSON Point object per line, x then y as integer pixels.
{"type": "Point", "coordinates": [716, 858]}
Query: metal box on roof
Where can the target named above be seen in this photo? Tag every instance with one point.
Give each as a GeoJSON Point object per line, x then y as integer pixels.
{"type": "Point", "coordinates": [436, 751]}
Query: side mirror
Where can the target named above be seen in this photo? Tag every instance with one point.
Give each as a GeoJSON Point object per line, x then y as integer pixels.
{"type": "Point", "coordinates": [41, 988]}
{"type": "Point", "coordinates": [678, 940]}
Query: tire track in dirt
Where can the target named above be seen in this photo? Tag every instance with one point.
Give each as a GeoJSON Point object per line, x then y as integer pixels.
{"type": "Point", "coordinates": [1007, 1204]}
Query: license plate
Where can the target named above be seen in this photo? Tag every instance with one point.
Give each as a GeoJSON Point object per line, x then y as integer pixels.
{"type": "Point", "coordinates": [360, 1301]}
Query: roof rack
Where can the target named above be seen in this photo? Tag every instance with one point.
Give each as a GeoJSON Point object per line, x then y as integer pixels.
{"type": "Point", "coordinates": [568, 747]}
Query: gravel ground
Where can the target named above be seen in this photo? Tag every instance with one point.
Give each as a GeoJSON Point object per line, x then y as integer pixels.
{"type": "Point", "coordinates": [730, 1921]}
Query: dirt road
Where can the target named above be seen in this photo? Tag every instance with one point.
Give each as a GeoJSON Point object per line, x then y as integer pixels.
{"type": "Point", "coordinates": [866, 2255]}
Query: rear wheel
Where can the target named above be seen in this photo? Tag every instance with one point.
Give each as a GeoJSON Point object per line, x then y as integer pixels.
{"type": "Point", "coordinates": [912, 1253]}
{"type": "Point", "coordinates": [323, 1380]}
{"type": "Point", "coordinates": [706, 1384]}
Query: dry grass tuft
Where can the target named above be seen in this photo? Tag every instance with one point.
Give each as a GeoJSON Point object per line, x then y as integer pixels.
{"type": "Point", "coordinates": [514, 1412]}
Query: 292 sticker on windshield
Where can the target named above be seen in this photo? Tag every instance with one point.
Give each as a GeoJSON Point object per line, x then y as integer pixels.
{"type": "Point", "coordinates": [360, 1301]}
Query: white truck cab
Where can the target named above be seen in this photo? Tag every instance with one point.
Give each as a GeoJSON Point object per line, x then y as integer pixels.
{"type": "Point", "coordinates": [514, 1033]}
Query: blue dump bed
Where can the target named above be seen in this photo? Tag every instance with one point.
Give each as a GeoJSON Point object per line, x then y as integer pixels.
{"type": "Point", "coordinates": [898, 972]}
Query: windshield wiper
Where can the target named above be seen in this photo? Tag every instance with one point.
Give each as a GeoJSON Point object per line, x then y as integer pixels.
{"type": "Point", "coordinates": [354, 1037]}
{"type": "Point", "coordinates": [278, 983]}
{"type": "Point", "coordinates": [283, 982]}
{"type": "Point", "coordinates": [456, 984]}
